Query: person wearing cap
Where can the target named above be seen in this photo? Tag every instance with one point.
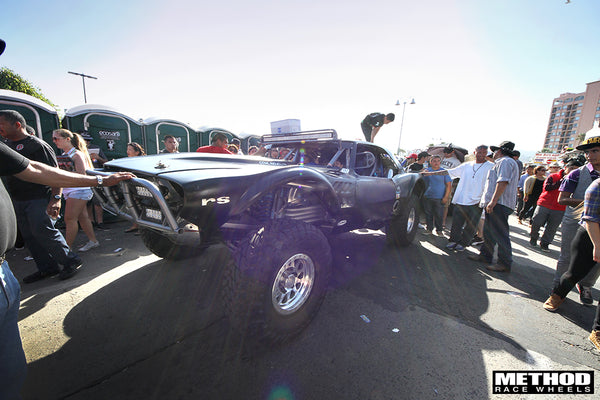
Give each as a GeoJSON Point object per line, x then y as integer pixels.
{"type": "Point", "coordinates": [418, 165]}
{"type": "Point", "coordinates": [571, 194]}
{"type": "Point", "coordinates": [373, 122]}
{"type": "Point", "coordinates": [412, 157]}
{"type": "Point", "coordinates": [449, 160]}
{"type": "Point", "coordinates": [548, 212]}
{"type": "Point", "coordinates": [586, 255]}
{"type": "Point", "coordinates": [498, 200]}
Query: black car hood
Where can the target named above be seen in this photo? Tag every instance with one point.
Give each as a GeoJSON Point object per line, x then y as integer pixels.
{"type": "Point", "coordinates": [185, 167]}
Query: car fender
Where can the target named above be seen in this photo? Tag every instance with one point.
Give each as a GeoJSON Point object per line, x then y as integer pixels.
{"type": "Point", "coordinates": [408, 185]}
{"type": "Point", "coordinates": [297, 175]}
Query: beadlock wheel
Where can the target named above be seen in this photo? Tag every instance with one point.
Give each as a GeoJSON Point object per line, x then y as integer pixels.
{"type": "Point", "coordinates": [293, 284]}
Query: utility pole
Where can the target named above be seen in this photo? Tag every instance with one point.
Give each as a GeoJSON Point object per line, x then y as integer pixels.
{"type": "Point", "coordinates": [83, 76]}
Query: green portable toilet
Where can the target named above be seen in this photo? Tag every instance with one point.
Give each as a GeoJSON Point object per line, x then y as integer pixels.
{"type": "Point", "coordinates": [155, 130]}
{"type": "Point", "coordinates": [109, 128]}
{"type": "Point", "coordinates": [38, 114]}
{"type": "Point", "coordinates": [205, 134]}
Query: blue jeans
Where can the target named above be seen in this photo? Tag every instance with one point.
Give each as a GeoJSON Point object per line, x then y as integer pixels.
{"type": "Point", "coordinates": [45, 243]}
{"type": "Point", "coordinates": [434, 212]}
{"type": "Point", "coordinates": [464, 223]}
{"type": "Point", "coordinates": [13, 365]}
{"type": "Point", "coordinates": [496, 232]}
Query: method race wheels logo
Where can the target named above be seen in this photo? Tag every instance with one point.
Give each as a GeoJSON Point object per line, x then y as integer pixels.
{"type": "Point", "coordinates": [543, 382]}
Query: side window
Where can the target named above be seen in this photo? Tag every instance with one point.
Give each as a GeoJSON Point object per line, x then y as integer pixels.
{"type": "Point", "coordinates": [374, 161]}
{"type": "Point", "coordinates": [389, 166]}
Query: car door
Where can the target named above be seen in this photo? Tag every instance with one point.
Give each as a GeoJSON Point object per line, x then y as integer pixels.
{"type": "Point", "coordinates": [375, 190]}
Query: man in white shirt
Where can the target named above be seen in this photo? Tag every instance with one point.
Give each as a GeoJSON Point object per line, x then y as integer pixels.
{"type": "Point", "coordinates": [467, 196]}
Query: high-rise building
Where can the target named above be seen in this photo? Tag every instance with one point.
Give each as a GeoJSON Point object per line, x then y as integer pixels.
{"type": "Point", "coordinates": [573, 114]}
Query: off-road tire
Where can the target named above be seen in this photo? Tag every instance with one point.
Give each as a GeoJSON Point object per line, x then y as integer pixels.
{"type": "Point", "coordinates": [165, 248]}
{"type": "Point", "coordinates": [262, 301]}
{"type": "Point", "coordinates": [403, 226]}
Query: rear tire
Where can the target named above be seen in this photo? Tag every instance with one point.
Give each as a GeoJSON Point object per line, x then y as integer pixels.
{"type": "Point", "coordinates": [278, 281]}
{"type": "Point", "coordinates": [402, 228]}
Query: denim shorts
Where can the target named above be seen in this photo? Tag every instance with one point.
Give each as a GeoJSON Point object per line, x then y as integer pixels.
{"type": "Point", "coordinates": [81, 194]}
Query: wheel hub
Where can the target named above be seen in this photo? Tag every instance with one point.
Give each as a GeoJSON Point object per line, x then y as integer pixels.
{"type": "Point", "coordinates": [293, 284]}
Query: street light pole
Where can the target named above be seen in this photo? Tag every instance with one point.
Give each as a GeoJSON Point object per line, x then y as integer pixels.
{"type": "Point", "coordinates": [83, 80]}
{"type": "Point", "coordinates": [402, 119]}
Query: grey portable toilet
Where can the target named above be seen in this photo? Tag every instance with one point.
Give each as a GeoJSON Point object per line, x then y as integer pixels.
{"type": "Point", "coordinates": [109, 128]}
{"type": "Point", "coordinates": [155, 130]}
{"type": "Point", "coordinates": [38, 114]}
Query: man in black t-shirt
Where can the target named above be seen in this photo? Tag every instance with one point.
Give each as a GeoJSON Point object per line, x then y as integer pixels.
{"type": "Point", "coordinates": [12, 357]}
{"type": "Point", "coordinates": [34, 204]}
{"type": "Point", "coordinates": [373, 122]}
{"type": "Point", "coordinates": [418, 165]}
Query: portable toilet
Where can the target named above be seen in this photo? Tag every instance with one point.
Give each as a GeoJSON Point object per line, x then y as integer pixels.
{"type": "Point", "coordinates": [109, 128]}
{"type": "Point", "coordinates": [38, 114]}
{"type": "Point", "coordinates": [205, 133]}
{"type": "Point", "coordinates": [155, 130]}
{"type": "Point", "coordinates": [249, 140]}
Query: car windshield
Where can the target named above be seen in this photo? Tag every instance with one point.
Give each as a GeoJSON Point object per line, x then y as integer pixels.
{"type": "Point", "coordinates": [314, 154]}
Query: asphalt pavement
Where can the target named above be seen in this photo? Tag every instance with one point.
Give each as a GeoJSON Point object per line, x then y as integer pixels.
{"type": "Point", "coordinates": [413, 323]}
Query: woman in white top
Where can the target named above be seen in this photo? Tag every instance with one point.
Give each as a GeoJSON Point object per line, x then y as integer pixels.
{"type": "Point", "coordinates": [75, 159]}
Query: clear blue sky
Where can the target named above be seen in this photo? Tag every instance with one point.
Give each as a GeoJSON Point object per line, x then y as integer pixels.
{"type": "Point", "coordinates": [480, 71]}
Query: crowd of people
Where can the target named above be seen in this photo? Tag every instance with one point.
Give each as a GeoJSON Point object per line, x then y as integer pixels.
{"type": "Point", "coordinates": [492, 186]}
{"type": "Point", "coordinates": [483, 192]}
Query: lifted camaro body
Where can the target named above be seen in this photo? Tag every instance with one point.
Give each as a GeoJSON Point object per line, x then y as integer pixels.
{"type": "Point", "coordinates": [275, 214]}
{"type": "Point", "coordinates": [230, 193]}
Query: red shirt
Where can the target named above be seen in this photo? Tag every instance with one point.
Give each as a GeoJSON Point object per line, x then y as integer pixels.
{"type": "Point", "coordinates": [212, 149]}
{"type": "Point", "coordinates": [550, 192]}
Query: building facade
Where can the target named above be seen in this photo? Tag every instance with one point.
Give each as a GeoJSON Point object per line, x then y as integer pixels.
{"type": "Point", "coordinates": [572, 115]}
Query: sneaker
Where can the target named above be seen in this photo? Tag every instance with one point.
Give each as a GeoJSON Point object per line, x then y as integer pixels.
{"type": "Point", "coordinates": [39, 275]}
{"type": "Point", "coordinates": [477, 241]}
{"type": "Point", "coordinates": [533, 242]}
{"type": "Point", "coordinates": [440, 233]}
{"type": "Point", "coordinates": [585, 295]}
{"type": "Point", "coordinates": [89, 245]}
{"type": "Point", "coordinates": [553, 302]}
{"type": "Point", "coordinates": [595, 338]}
{"type": "Point", "coordinates": [451, 245]}
{"type": "Point", "coordinates": [544, 247]}
{"type": "Point", "coordinates": [70, 270]}
{"type": "Point", "coordinates": [459, 247]}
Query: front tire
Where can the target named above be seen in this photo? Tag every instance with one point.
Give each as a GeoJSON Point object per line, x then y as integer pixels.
{"type": "Point", "coordinates": [402, 228]}
{"type": "Point", "coordinates": [278, 281]}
